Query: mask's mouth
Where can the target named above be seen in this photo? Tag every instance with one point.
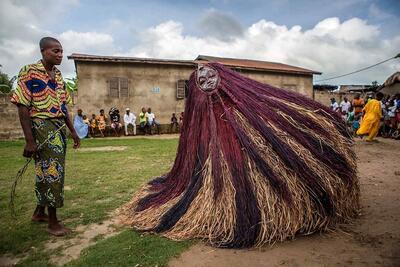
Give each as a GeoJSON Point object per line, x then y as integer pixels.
{"type": "Point", "coordinates": [207, 78]}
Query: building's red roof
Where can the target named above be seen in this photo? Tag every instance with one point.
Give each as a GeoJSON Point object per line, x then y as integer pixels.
{"type": "Point", "coordinates": [256, 64]}
{"type": "Point", "coordinates": [235, 63]}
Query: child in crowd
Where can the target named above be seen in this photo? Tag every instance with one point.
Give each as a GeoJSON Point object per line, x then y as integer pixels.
{"type": "Point", "coordinates": [356, 124]}
{"type": "Point", "coordinates": [85, 120]}
{"type": "Point", "coordinates": [93, 125]}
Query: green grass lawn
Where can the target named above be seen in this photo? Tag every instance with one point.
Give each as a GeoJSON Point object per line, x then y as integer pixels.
{"type": "Point", "coordinates": [97, 183]}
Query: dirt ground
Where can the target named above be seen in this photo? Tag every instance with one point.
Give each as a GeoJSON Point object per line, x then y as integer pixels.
{"type": "Point", "coordinates": [372, 240]}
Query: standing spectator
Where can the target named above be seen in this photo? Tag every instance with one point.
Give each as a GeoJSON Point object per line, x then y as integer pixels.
{"type": "Point", "coordinates": [151, 121]}
{"type": "Point", "coordinates": [334, 105]}
{"type": "Point", "coordinates": [358, 104]}
{"type": "Point", "coordinates": [115, 121]}
{"type": "Point", "coordinates": [386, 129]}
{"type": "Point", "coordinates": [345, 105]}
{"type": "Point", "coordinates": [174, 122]}
{"type": "Point", "coordinates": [81, 128]}
{"type": "Point", "coordinates": [101, 122]}
{"type": "Point", "coordinates": [143, 120]}
{"type": "Point", "coordinates": [129, 119]}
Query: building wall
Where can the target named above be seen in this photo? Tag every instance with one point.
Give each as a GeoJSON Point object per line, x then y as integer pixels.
{"type": "Point", "coordinates": [10, 127]}
{"type": "Point", "coordinates": [149, 86]}
{"type": "Point", "coordinates": [298, 83]}
{"type": "Point", "coordinates": [155, 86]}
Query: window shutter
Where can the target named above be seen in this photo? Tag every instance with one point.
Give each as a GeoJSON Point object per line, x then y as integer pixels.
{"type": "Point", "coordinates": [180, 89]}
{"type": "Point", "coordinates": [114, 90]}
{"type": "Point", "coordinates": [123, 87]}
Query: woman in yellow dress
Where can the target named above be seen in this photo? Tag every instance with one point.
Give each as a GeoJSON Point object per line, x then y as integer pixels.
{"type": "Point", "coordinates": [371, 118]}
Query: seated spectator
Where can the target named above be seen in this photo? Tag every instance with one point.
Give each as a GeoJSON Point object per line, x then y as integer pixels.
{"type": "Point", "coordinates": [174, 122]}
{"type": "Point", "coordinates": [86, 121]}
{"type": "Point", "coordinates": [93, 125]}
{"type": "Point", "coordinates": [129, 119]}
{"type": "Point", "coordinates": [115, 121]}
{"type": "Point", "coordinates": [151, 121]}
{"type": "Point", "coordinates": [80, 127]}
{"type": "Point", "coordinates": [143, 120]}
{"type": "Point", "coordinates": [101, 122]}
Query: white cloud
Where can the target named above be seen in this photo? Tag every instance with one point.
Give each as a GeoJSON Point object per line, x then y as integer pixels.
{"type": "Point", "coordinates": [20, 37]}
{"type": "Point", "coordinates": [331, 46]}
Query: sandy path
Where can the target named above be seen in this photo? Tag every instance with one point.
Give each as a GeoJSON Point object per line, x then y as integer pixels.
{"type": "Point", "coordinates": [373, 239]}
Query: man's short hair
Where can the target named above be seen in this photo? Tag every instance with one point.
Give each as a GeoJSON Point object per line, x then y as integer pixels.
{"type": "Point", "coordinates": [379, 95]}
{"type": "Point", "coordinates": [44, 42]}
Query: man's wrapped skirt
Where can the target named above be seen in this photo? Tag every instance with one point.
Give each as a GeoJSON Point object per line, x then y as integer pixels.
{"type": "Point", "coordinates": [50, 161]}
{"type": "Point", "coordinates": [255, 164]}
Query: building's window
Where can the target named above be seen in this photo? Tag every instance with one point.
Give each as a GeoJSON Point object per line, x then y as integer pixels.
{"type": "Point", "coordinates": [181, 89]}
{"type": "Point", "coordinates": [119, 87]}
{"type": "Point", "coordinates": [123, 87]}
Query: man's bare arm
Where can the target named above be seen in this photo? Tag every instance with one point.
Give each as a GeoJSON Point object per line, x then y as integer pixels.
{"type": "Point", "coordinates": [26, 124]}
{"type": "Point", "coordinates": [77, 140]}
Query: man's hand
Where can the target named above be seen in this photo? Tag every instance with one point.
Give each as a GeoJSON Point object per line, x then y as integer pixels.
{"type": "Point", "coordinates": [77, 140]}
{"type": "Point", "coordinates": [30, 149]}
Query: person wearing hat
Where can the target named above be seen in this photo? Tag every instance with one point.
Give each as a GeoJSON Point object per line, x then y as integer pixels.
{"type": "Point", "coordinates": [115, 121]}
{"type": "Point", "coordinates": [129, 119]}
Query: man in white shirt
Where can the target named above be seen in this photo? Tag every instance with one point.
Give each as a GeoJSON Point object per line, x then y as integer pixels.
{"type": "Point", "coordinates": [345, 105]}
{"type": "Point", "coordinates": [151, 121]}
{"type": "Point", "coordinates": [129, 118]}
{"type": "Point", "coordinates": [334, 104]}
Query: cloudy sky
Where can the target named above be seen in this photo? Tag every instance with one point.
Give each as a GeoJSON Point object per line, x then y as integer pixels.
{"type": "Point", "coordinates": [333, 37]}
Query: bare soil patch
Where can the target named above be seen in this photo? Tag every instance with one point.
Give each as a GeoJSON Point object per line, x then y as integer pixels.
{"type": "Point", "coordinates": [70, 248]}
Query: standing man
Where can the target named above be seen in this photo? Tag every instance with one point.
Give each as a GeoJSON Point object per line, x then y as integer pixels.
{"type": "Point", "coordinates": [345, 105]}
{"type": "Point", "coordinates": [371, 118]}
{"type": "Point", "coordinates": [129, 119]}
{"type": "Point", "coordinates": [334, 104]}
{"type": "Point", "coordinates": [41, 99]}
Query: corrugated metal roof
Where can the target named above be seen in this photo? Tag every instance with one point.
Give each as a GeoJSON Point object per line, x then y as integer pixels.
{"type": "Point", "coordinates": [235, 63]}
{"type": "Point", "coordinates": [394, 78]}
{"type": "Point", "coordinates": [256, 64]}
{"type": "Point", "coordinates": [95, 58]}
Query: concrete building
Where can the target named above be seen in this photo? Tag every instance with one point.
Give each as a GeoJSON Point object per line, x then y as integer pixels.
{"type": "Point", "coordinates": [105, 81]}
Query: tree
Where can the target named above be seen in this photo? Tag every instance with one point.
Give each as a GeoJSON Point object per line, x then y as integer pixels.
{"type": "Point", "coordinates": [5, 83]}
{"type": "Point", "coordinates": [71, 84]}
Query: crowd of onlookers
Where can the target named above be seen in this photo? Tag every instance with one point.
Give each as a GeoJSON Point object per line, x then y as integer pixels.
{"type": "Point", "coordinates": [112, 124]}
{"type": "Point", "coordinates": [352, 113]}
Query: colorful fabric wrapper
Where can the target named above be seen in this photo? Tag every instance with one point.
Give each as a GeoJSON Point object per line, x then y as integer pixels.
{"type": "Point", "coordinates": [50, 161]}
